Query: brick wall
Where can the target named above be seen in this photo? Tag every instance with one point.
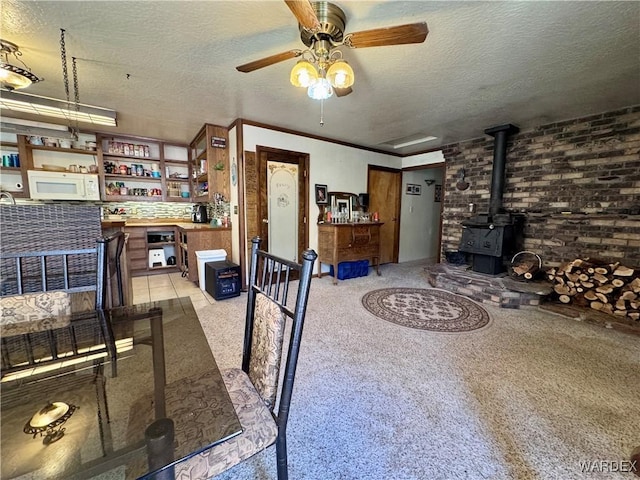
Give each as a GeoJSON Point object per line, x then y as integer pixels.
{"type": "Point", "coordinates": [577, 181]}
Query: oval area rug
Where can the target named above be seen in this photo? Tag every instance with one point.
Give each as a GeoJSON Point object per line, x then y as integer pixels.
{"type": "Point", "coordinates": [426, 309]}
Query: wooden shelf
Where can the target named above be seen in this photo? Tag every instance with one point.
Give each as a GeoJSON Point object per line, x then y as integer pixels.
{"type": "Point", "coordinates": [133, 177]}
{"type": "Point", "coordinates": [132, 157]}
{"type": "Point", "coordinates": [61, 150]}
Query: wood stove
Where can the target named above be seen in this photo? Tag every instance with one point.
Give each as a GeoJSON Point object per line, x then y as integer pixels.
{"type": "Point", "coordinates": [491, 236]}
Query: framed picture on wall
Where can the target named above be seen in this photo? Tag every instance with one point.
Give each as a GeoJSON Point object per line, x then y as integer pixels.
{"type": "Point", "coordinates": [437, 195]}
{"type": "Point", "coordinates": [414, 189]}
{"type": "Point", "coordinates": [321, 195]}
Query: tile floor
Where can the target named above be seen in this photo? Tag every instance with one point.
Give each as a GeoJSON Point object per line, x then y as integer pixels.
{"type": "Point", "coordinates": [170, 285]}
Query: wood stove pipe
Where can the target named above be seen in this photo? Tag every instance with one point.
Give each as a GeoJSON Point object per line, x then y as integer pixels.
{"type": "Point", "coordinates": [500, 134]}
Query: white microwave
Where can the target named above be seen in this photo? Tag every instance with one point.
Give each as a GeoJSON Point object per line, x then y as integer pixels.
{"type": "Point", "coordinates": [46, 185]}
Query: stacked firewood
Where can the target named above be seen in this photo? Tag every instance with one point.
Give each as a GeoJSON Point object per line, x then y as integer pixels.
{"type": "Point", "coordinates": [608, 287]}
{"type": "Point", "coordinates": [526, 266]}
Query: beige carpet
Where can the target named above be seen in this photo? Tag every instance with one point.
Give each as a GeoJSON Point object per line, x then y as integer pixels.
{"type": "Point", "coordinates": [529, 396]}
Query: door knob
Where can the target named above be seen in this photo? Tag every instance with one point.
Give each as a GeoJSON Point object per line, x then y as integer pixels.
{"type": "Point", "coordinates": [265, 220]}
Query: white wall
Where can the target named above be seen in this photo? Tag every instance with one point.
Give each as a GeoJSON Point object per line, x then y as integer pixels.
{"type": "Point", "coordinates": [420, 217]}
{"type": "Point", "coordinates": [341, 168]}
{"type": "Point", "coordinates": [423, 159]}
{"type": "Point", "coordinates": [233, 198]}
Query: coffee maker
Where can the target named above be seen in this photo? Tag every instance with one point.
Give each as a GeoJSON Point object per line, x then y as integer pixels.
{"type": "Point", "coordinates": [199, 214]}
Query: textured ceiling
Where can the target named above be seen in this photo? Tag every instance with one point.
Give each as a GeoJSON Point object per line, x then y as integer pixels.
{"type": "Point", "coordinates": [168, 67]}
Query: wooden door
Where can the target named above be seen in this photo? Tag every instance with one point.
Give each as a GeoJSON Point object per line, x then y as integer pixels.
{"type": "Point", "coordinates": [384, 187]}
{"type": "Point", "coordinates": [270, 157]}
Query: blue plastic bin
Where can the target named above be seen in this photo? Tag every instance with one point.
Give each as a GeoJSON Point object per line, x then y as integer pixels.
{"type": "Point", "coordinates": [359, 268]}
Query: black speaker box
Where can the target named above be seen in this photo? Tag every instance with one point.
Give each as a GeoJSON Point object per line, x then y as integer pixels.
{"type": "Point", "coordinates": [363, 199]}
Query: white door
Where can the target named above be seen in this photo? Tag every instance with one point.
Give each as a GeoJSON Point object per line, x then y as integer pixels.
{"type": "Point", "coordinates": [282, 195]}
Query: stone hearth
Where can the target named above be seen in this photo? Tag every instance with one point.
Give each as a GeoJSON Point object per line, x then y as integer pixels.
{"type": "Point", "coordinates": [504, 292]}
{"type": "Point", "coordinates": [499, 290]}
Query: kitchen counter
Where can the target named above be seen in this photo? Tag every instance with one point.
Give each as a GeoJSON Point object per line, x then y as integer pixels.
{"type": "Point", "coordinates": [170, 235]}
{"type": "Point", "coordinates": [159, 222]}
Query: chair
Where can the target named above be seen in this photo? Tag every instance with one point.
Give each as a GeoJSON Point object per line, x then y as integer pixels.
{"type": "Point", "coordinates": [45, 282]}
{"type": "Point", "coordinates": [109, 287]}
{"type": "Point", "coordinates": [261, 395]}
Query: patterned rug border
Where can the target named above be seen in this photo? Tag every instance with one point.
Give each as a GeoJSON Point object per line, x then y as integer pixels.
{"type": "Point", "coordinates": [464, 323]}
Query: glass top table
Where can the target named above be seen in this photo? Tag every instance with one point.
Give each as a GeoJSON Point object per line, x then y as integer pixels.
{"type": "Point", "coordinates": [90, 393]}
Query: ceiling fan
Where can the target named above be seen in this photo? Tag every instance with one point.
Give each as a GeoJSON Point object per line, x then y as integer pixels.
{"type": "Point", "coordinates": [322, 69]}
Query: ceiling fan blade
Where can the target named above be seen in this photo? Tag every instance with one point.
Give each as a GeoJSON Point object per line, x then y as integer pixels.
{"type": "Point", "coordinates": [341, 92]}
{"type": "Point", "coordinates": [304, 12]}
{"type": "Point", "coordinates": [378, 37]}
{"type": "Point", "coordinates": [265, 62]}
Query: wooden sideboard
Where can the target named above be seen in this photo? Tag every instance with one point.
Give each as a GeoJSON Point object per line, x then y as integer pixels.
{"type": "Point", "coordinates": [347, 242]}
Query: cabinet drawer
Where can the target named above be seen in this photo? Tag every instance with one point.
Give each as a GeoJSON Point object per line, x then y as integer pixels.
{"type": "Point", "coordinates": [137, 254]}
{"type": "Point", "coordinates": [138, 264]}
{"type": "Point", "coordinates": [356, 253]}
{"type": "Point", "coordinates": [136, 243]}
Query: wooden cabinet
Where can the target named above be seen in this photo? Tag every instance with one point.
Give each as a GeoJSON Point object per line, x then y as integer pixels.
{"type": "Point", "coordinates": [142, 240]}
{"type": "Point", "coordinates": [210, 163]}
{"type": "Point", "coordinates": [56, 158]}
{"type": "Point", "coordinates": [196, 239]}
{"type": "Point", "coordinates": [143, 169]}
{"type": "Point", "coordinates": [164, 172]}
{"type": "Point", "coordinates": [346, 242]}
{"type": "Point", "coordinates": [13, 178]}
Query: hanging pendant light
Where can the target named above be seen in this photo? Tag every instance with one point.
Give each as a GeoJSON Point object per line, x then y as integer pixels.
{"type": "Point", "coordinates": [13, 77]}
{"type": "Point", "coordinates": [320, 90]}
{"type": "Point", "coordinates": [340, 74]}
{"type": "Point", "coordinates": [303, 74]}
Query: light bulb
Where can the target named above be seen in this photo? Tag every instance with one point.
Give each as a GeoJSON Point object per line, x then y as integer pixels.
{"type": "Point", "coordinates": [320, 90]}
{"type": "Point", "coordinates": [340, 74]}
{"type": "Point", "coordinates": [303, 74]}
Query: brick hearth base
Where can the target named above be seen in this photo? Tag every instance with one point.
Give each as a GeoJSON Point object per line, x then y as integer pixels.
{"type": "Point", "coordinates": [505, 292]}
{"type": "Point", "coordinates": [500, 290]}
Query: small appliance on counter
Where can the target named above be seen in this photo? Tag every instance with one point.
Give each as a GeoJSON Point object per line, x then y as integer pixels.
{"type": "Point", "coordinates": [199, 214]}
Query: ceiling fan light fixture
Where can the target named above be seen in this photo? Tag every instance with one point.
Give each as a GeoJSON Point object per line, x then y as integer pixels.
{"type": "Point", "coordinates": [321, 90]}
{"type": "Point", "coordinates": [303, 74]}
{"type": "Point", "coordinates": [13, 77]}
{"type": "Point", "coordinates": [340, 74]}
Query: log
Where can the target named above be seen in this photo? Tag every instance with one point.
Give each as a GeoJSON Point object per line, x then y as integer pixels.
{"type": "Point", "coordinates": [573, 277]}
{"type": "Point", "coordinates": [628, 295]}
{"type": "Point", "coordinates": [601, 279]}
{"type": "Point", "coordinates": [602, 270]}
{"type": "Point", "coordinates": [590, 295]}
{"type": "Point", "coordinates": [588, 284]}
{"type": "Point", "coordinates": [561, 289]}
{"type": "Point", "coordinates": [567, 267]}
{"type": "Point", "coordinates": [602, 298]}
{"type": "Point", "coordinates": [605, 289]}
{"type": "Point", "coordinates": [635, 284]}
{"type": "Point", "coordinates": [616, 282]}
{"type": "Point", "coordinates": [564, 298]}
{"type": "Point", "coordinates": [596, 305]}
{"type": "Point", "coordinates": [623, 271]}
